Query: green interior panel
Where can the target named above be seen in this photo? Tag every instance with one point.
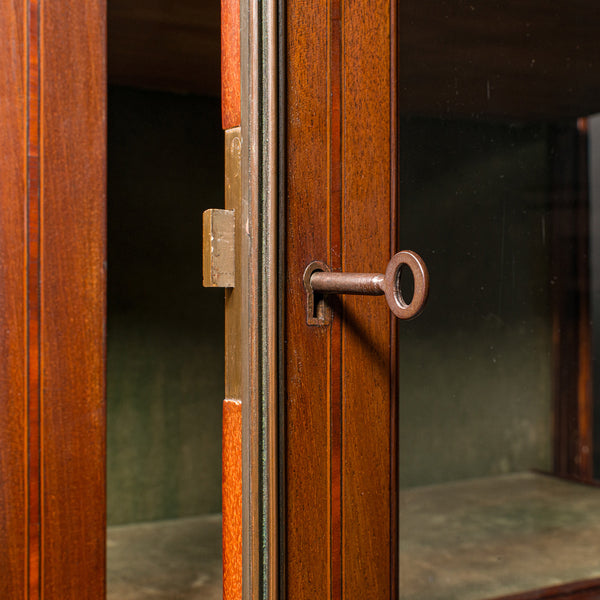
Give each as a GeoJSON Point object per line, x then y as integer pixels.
{"type": "Point", "coordinates": [165, 331]}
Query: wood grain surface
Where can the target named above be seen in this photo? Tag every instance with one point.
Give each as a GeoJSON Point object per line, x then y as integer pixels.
{"type": "Point", "coordinates": [340, 427]}
{"type": "Point", "coordinates": [369, 507]}
{"type": "Point", "coordinates": [230, 64]}
{"type": "Point", "coordinates": [34, 496]}
{"type": "Point", "coordinates": [571, 351]}
{"type": "Point", "coordinates": [52, 300]}
{"type": "Point", "coordinates": [307, 350]}
{"type": "Point", "coordinates": [13, 181]}
{"type": "Point", "coordinates": [232, 499]}
{"type": "Point", "coordinates": [72, 289]}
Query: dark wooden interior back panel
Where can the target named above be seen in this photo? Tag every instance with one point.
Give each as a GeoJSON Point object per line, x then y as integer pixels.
{"type": "Point", "coordinates": [165, 44]}
{"type": "Point", "coordinates": [539, 70]}
{"type": "Point", "coordinates": [13, 514]}
{"type": "Point", "coordinates": [73, 299]}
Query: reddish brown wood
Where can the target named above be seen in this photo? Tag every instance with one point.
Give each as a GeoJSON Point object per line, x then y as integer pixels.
{"type": "Point", "coordinates": [340, 382]}
{"type": "Point", "coordinates": [230, 64]}
{"type": "Point", "coordinates": [570, 304]}
{"type": "Point", "coordinates": [72, 286]}
{"type": "Point", "coordinates": [232, 500]}
{"type": "Point", "coordinates": [585, 448]}
{"type": "Point", "coordinates": [13, 432]}
{"type": "Point", "coordinates": [368, 464]}
{"type": "Point", "coordinates": [307, 380]}
{"type": "Point", "coordinates": [336, 236]}
{"type": "Point", "coordinates": [33, 300]}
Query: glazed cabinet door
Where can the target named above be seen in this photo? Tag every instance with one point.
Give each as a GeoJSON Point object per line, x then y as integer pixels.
{"type": "Point", "coordinates": [468, 132]}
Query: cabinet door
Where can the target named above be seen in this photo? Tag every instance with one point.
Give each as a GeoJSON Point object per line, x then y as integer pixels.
{"type": "Point", "coordinates": [477, 116]}
{"type": "Point", "coordinates": [52, 114]}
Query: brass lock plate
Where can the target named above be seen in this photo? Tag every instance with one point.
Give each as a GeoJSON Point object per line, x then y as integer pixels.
{"type": "Point", "coordinates": [218, 229]}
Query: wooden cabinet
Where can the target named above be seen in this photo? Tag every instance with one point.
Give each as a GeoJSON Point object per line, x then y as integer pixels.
{"type": "Point", "coordinates": [327, 90]}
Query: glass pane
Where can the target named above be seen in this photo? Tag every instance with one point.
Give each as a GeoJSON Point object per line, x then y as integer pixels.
{"type": "Point", "coordinates": [165, 348]}
{"type": "Point", "coordinates": [498, 180]}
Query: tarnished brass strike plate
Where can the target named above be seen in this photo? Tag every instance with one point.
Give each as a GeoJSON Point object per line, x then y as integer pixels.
{"type": "Point", "coordinates": [218, 248]}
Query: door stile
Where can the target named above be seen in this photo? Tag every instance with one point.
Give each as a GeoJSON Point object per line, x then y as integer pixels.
{"type": "Point", "coordinates": [369, 512]}
{"type": "Point", "coordinates": [340, 396]}
{"type": "Point", "coordinates": [34, 446]}
{"type": "Point", "coordinates": [13, 309]}
{"type": "Point", "coordinates": [72, 298]}
{"type": "Point", "coordinates": [306, 398]}
{"type": "Point", "coordinates": [52, 300]}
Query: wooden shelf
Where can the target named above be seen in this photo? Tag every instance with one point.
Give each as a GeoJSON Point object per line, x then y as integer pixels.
{"type": "Point", "coordinates": [165, 560]}
{"type": "Point", "coordinates": [498, 536]}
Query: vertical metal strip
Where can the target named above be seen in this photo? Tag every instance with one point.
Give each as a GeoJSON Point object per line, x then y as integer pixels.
{"type": "Point", "coordinates": [249, 547]}
{"type": "Point", "coordinates": [234, 385]}
{"type": "Point", "coordinates": [259, 278]}
{"type": "Point", "coordinates": [271, 299]}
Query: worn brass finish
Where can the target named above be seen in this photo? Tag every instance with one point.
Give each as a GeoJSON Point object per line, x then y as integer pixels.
{"type": "Point", "coordinates": [319, 281]}
{"type": "Point", "coordinates": [218, 248]}
{"type": "Point", "coordinates": [234, 296]}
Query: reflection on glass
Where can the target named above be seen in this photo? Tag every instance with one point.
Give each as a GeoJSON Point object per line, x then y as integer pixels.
{"type": "Point", "coordinates": [499, 179]}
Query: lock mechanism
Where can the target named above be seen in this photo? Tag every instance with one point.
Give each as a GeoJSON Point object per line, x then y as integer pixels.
{"type": "Point", "coordinates": [320, 281]}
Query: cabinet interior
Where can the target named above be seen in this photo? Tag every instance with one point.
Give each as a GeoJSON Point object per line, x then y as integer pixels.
{"type": "Point", "coordinates": [498, 187]}
{"type": "Point", "coordinates": [164, 330]}
{"type": "Point", "coordinates": [499, 174]}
